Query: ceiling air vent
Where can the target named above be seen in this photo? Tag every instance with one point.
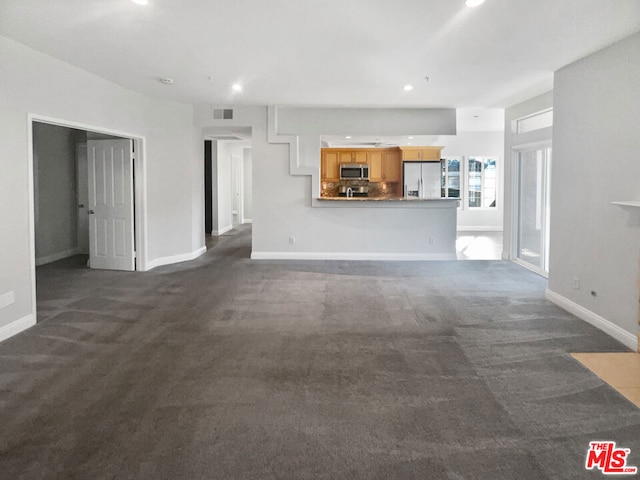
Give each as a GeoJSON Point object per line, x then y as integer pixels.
{"type": "Point", "coordinates": [222, 114]}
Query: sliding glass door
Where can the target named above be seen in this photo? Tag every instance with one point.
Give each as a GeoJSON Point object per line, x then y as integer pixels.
{"type": "Point", "coordinates": [533, 181]}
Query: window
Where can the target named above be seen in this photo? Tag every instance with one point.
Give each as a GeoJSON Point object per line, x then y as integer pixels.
{"type": "Point", "coordinates": [533, 122]}
{"type": "Point", "coordinates": [482, 180]}
{"type": "Point", "coordinates": [474, 180]}
{"type": "Point", "coordinates": [451, 177]}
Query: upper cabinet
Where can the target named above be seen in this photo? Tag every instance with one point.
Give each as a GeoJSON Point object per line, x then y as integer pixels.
{"type": "Point", "coordinates": [392, 165]}
{"type": "Point", "coordinates": [330, 166]}
{"type": "Point", "coordinates": [351, 155]}
{"type": "Point", "coordinates": [374, 160]}
{"type": "Point", "coordinates": [385, 164]}
{"type": "Point", "coordinates": [421, 154]}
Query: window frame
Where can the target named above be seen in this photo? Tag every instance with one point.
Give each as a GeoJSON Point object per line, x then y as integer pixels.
{"type": "Point", "coordinates": [482, 159]}
{"type": "Point", "coordinates": [445, 176]}
{"type": "Point", "coordinates": [464, 179]}
{"type": "Point", "coordinates": [519, 126]}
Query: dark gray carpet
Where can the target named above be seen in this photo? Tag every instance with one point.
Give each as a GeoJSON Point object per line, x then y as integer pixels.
{"type": "Point", "coordinates": [227, 368]}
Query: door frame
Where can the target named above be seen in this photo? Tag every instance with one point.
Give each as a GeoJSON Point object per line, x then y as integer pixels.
{"type": "Point", "coordinates": [139, 185]}
{"type": "Point", "coordinates": [515, 210]}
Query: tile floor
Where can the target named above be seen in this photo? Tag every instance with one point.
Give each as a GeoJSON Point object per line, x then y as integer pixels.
{"type": "Point", "coordinates": [619, 369]}
{"type": "Point", "coordinates": [479, 245]}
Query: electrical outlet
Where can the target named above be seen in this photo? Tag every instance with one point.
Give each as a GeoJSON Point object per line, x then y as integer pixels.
{"type": "Point", "coordinates": [292, 240]}
{"type": "Point", "coordinates": [432, 240]}
{"type": "Point", "coordinates": [576, 283]}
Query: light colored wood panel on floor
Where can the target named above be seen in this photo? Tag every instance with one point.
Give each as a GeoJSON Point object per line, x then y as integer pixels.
{"type": "Point", "coordinates": [621, 370]}
{"type": "Point", "coordinates": [631, 394]}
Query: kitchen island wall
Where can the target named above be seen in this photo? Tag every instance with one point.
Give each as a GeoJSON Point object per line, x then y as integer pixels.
{"type": "Point", "coordinates": [288, 219]}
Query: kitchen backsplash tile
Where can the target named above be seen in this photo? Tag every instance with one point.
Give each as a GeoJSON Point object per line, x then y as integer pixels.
{"type": "Point", "coordinates": [382, 189]}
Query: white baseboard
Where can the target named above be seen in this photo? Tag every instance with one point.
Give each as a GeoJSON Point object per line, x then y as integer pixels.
{"type": "Point", "coordinates": [184, 257]}
{"type": "Point", "coordinates": [222, 230]}
{"type": "Point", "coordinates": [16, 327]}
{"type": "Point", "coordinates": [56, 256]}
{"type": "Point", "coordinates": [351, 256]}
{"type": "Point", "coordinates": [468, 228]}
{"type": "Point", "coordinates": [628, 339]}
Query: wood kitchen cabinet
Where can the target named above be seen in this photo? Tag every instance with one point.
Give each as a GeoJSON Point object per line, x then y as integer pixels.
{"type": "Point", "coordinates": [353, 156]}
{"type": "Point", "coordinates": [385, 164]}
{"type": "Point", "coordinates": [392, 166]}
{"type": "Point", "coordinates": [345, 156]}
{"type": "Point", "coordinates": [359, 156]}
{"type": "Point", "coordinates": [330, 166]}
{"type": "Point", "coordinates": [375, 162]}
{"type": "Point", "coordinates": [421, 154]}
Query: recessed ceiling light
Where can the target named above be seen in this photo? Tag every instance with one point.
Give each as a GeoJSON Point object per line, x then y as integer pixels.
{"type": "Point", "coordinates": [236, 87]}
{"type": "Point", "coordinates": [348, 137]}
{"type": "Point", "coordinates": [474, 3]}
{"type": "Point", "coordinates": [408, 88]}
{"type": "Point", "coordinates": [140, 2]}
{"type": "Point", "coordinates": [410, 138]}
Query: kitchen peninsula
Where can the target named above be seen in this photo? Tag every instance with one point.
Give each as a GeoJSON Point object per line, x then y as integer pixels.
{"type": "Point", "coordinates": [371, 182]}
{"type": "Point", "coordinates": [366, 186]}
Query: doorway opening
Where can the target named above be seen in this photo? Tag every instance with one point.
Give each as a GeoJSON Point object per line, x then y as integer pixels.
{"type": "Point", "coordinates": [87, 190]}
{"type": "Point", "coordinates": [228, 167]}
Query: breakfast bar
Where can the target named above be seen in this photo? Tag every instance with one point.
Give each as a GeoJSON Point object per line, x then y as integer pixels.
{"type": "Point", "coordinates": [387, 202]}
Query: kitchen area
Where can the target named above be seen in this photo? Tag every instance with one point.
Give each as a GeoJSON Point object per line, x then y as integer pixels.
{"type": "Point", "coordinates": [392, 197]}
{"type": "Point", "coordinates": [382, 174]}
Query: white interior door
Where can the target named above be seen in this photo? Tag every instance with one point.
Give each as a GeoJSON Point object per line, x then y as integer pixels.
{"type": "Point", "coordinates": [111, 234]}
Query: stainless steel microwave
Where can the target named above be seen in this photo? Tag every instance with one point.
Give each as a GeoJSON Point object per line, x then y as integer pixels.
{"type": "Point", "coordinates": [354, 171]}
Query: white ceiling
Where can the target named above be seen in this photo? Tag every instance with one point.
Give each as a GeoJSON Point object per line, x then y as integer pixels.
{"type": "Point", "coordinates": [324, 53]}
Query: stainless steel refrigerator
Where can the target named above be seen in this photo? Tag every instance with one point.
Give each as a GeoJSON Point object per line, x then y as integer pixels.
{"type": "Point", "coordinates": [422, 179]}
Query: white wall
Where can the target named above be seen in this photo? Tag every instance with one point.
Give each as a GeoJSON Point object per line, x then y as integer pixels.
{"type": "Point", "coordinates": [247, 184]}
{"type": "Point", "coordinates": [596, 160]}
{"type": "Point", "coordinates": [282, 201]}
{"type": "Point", "coordinates": [511, 141]}
{"type": "Point", "coordinates": [486, 144]}
{"type": "Point", "coordinates": [56, 212]}
{"type": "Point", "coordinates": [366, 121]}
{"type": "Point", "coordinates": [34, 83]}
{"type": "Point", "coordinates": [222, 188]}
